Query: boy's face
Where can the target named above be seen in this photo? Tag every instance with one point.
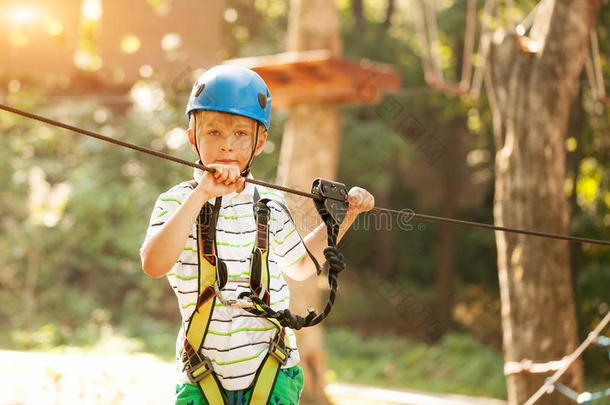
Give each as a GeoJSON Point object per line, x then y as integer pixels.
{"type": "Point", "coordinates": [225, 138]}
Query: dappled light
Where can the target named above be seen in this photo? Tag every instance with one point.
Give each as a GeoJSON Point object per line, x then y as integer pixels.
{"type": "Point", "coordinates": [130, 44]}
{"type": "Point", "coordinates": [46, 203]}
{"type": "Point", "coordinates": [148, 96]}
{"type": "Point", "coordinates": [23, 15]}
{"type": "Point", "coordinates": [160, 160]}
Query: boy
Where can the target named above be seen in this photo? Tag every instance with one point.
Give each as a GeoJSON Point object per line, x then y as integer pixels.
{"type": "Point", "coordinates": [229, 111]}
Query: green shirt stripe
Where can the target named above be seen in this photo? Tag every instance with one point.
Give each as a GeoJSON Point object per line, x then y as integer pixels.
{"type": "Point", "coordinates": [238, 360]}
{"type": "Point", "coordinates": [231, 245]}
{"type": "Point", "coordinates": [272, 193]}
{"type": "Point", "coordinates": [286, 237]}
{"type": "Point", "coordinates": [277, 302]}
{"type": "Point", "coordinates": [241, 330]}
{"type": "Point", "coordinates": [171, 199]}
{"type": "Point", "coordinates": [246, 273]}
{"type": "Point", "coordinates": [296, 261]}
{"type": "Point", "coordinates": [183, 278]}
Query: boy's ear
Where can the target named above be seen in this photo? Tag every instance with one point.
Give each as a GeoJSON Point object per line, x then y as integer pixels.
{"type": "Point", "coordinates": [191, 136]}
{"type": "Point", "coordinates": [262, 139]}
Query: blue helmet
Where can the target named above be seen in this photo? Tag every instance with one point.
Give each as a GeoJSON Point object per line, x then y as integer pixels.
{"type": "Point", "coordinates": [232, 89]}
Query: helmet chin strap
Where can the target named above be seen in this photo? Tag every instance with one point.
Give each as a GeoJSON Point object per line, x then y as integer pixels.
{"type": "Point", "coordinates": [195, 134]}
{"type": "Point", "coordinates": [246, 171]}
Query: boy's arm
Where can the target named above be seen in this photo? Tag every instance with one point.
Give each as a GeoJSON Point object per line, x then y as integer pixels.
{"type": "Point", "coordinates": [360, 201]}
{"type": "Point", "coordinates": [161, 251]}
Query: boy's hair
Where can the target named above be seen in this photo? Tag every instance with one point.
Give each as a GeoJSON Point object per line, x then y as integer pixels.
{"type": "Point", "coordinates": [197, 116]}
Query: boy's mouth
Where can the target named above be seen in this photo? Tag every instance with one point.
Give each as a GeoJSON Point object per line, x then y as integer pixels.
{"type": "Point", "coordinates": [226, 161]}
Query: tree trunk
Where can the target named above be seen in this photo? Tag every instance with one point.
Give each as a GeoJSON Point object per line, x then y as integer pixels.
{"type": "Point", "coordinates": [530, 96]}
{"type": "Point", "coordinates": [388, 14]}
{"type": "Point", "coordinates": [358, 11]}
{"type": "Point", "coordinates": [445, 277]}
{"type": "Point", "coordinates": [310, 149]}
{"type": "Point", "coordinates": [578, 125]}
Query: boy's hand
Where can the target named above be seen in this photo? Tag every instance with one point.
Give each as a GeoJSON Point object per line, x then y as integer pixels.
{"type": "Point", "coordinates": [359, 201]}
{"type": "Point", "coordinates": [225, 180]}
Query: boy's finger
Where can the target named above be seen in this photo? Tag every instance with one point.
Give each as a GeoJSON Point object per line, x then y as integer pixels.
{"type": "Point", "coordinates": [223, 175]}
{"type": "Point", "coordinates": [357, 198]}
{"type": "Point", "coordinates": [351, 198]}
{"type": "Point", "coordinates": [234, 174]}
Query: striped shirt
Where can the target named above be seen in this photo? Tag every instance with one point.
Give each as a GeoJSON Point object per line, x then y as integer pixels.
{"type": "Point", "coordinates": [237, 341]}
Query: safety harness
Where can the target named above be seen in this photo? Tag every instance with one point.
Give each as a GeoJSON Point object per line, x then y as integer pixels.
{"type": "Point", "coordinates": [213, 276]}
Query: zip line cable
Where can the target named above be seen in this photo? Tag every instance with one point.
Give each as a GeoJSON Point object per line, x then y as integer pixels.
{"type": "Point", "coordinates": [409, 214]}
{"type": "Point", "coordinates": [142, 149]}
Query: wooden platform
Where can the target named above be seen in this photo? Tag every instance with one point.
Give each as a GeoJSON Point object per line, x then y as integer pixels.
{"type": "Point", "coordinates": [318, 77]}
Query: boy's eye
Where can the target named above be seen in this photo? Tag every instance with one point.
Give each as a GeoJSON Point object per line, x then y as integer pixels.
{"type": "Point", "coordinates": [241, 133]}
{"type": "Point", "coordinates": [214, 132]}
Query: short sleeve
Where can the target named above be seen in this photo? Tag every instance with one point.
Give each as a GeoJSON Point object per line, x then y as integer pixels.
{"type": "Point", "coordinates": [165, 207]}
{"type": "Point", "coordinates": [286, 243]}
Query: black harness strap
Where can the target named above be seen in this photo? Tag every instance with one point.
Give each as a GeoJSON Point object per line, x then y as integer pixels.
{"type": "Point", "coordinates": [259, 261]}
{"type": "Point", "coordinates": [332, 214]}
{"type": "Point", "coordinates": [331, 210]}
{"type": "Point", "coordinates": [209, 232]}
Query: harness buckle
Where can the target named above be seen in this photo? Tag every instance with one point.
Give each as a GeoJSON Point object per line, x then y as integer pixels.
{"type": "Point", "coordinates": [261, 211]}
{"type": "Point", "coordinates": [238, 302]}
{"type": "Point", "coordinates": [200, 370]}
{"type": "Point", "coordinates": [241, 303]}
{"type": "Point", "coordinates": [278, 352]}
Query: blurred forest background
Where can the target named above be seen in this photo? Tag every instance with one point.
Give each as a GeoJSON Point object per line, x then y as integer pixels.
{"type": "Point", "coordinates": [74, 210]}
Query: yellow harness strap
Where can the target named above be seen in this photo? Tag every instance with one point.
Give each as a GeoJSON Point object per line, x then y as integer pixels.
{"type": "Point", "coordinates": [199, 368]}
{"type": "Point", "coordinates": [269, 370]}
{"type": "Point", "coordinates": [260, 284]}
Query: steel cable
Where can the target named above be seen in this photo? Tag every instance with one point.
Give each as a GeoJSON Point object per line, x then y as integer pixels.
{"type": "Point", "coordinates": [399, 213]}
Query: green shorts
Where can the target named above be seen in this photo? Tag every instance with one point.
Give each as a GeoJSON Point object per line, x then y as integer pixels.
{"type": "Point", "coordinates": [286, 391]}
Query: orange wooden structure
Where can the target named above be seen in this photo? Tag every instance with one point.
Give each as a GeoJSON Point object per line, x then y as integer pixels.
{"type": "Point", "coordinates": [318, 77]}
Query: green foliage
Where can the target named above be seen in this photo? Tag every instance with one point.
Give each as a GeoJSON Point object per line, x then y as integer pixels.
{"type": "Point", "coordinates": [458, 364]}
{"type": "Point", "coordinates": [592, 297]}
{"type": "Point", "coordinates": [259, 27]}
{"type": "Point", "coordinates": [90, 257]}
{"type": "Point", "coordinates": [72, 281]}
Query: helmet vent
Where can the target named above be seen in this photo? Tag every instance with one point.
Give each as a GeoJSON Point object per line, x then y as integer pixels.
{"type": "Point", "coordinates": [262, 100]}
{"type": "Point", "coordinates": [199, 89]}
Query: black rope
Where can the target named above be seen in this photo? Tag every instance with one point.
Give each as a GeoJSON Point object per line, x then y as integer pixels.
{"type": "Point", "coordinates": [336, 264]}
{"type": "Point", "coordinates": [403, 213]}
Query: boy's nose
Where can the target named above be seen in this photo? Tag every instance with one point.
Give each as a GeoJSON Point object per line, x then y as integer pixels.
{"type": "Point", "coordinates": [227, 145]}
